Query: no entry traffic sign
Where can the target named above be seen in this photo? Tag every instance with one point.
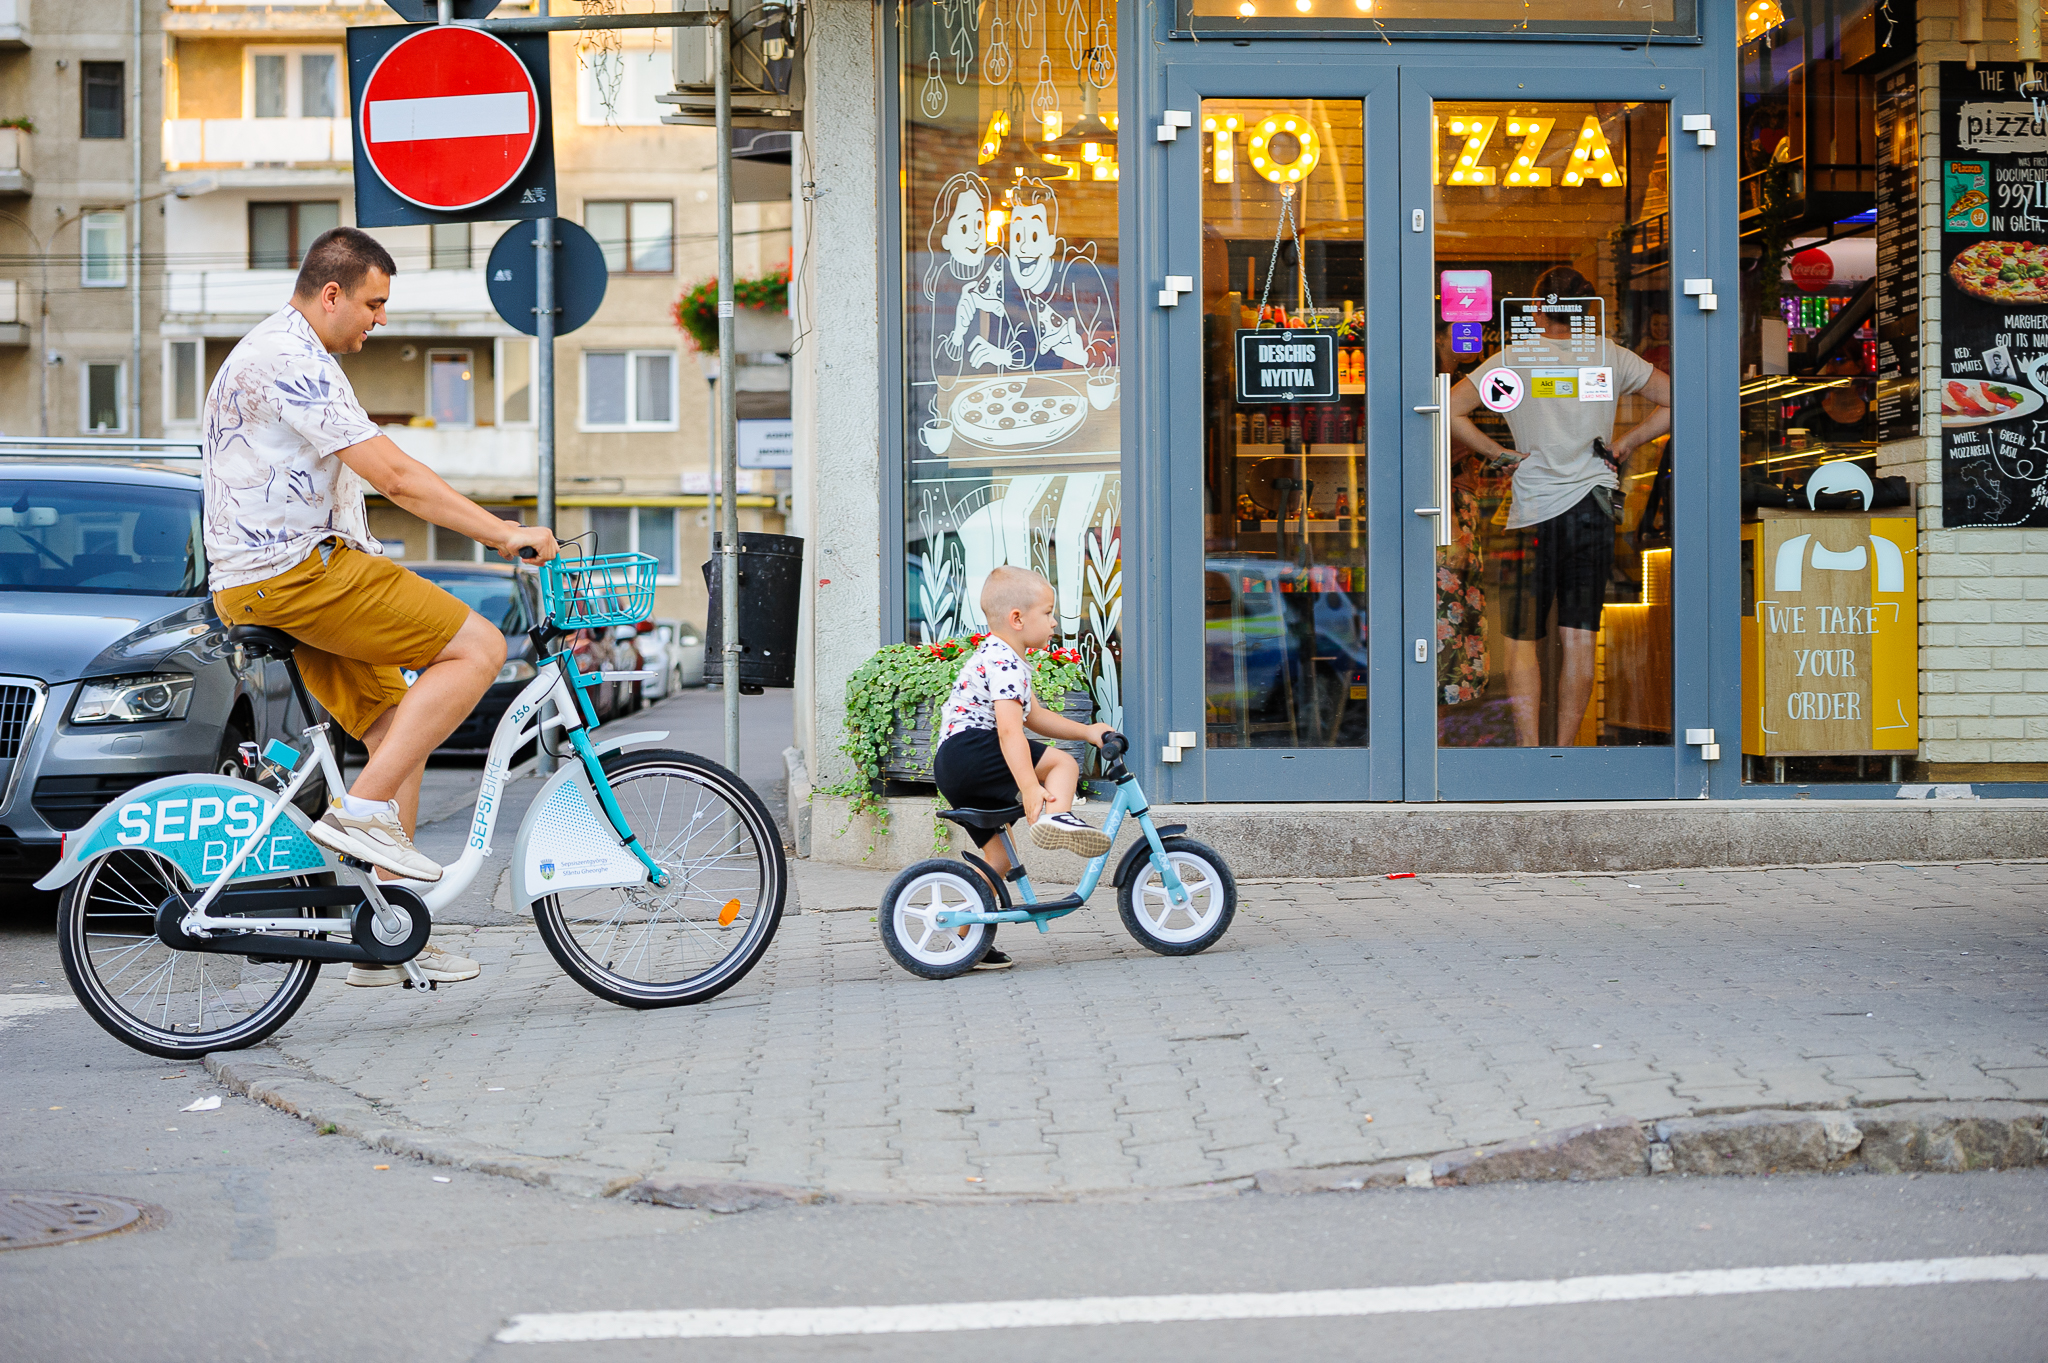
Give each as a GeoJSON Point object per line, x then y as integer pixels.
{"type": "Point", "coordinates": [451, 125]}
{"type": "Point", "coordinates": [450, 118]}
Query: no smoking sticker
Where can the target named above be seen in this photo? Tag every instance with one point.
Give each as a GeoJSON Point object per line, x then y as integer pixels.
{"type": "Point", "coordinates": [1500, 390]}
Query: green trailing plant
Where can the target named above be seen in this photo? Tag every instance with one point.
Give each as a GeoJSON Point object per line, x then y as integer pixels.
{"type": "Point", "coordinates": [696, 312]}
{"type": "Point", "coordinates": [21, 121]}
{"type": "Point", "coordinates": [892, 683]}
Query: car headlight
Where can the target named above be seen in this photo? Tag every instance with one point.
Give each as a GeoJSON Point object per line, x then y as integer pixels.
{"type": "Point", "coordinates": [518, 670]}
{"type": "Point", "coordinates": [133, 700]}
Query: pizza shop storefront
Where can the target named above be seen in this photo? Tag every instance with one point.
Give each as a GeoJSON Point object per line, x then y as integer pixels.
{"type": "Point", "coordinates": [1216, 312]}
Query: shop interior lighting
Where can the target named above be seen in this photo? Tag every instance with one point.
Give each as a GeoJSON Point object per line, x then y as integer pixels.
{"type": "Point", "coordinates": [1758, 18]}
{"type": "Point", "coordinates": [1308, 151]}
{"type": "Point", "coordinates": [1592, 158]}
{"type": "Point", "coordinates": [1477, 132]}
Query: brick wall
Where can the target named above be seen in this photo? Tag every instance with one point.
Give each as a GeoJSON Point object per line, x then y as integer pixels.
{"type": "Point", "coordinates": [1983, 593]}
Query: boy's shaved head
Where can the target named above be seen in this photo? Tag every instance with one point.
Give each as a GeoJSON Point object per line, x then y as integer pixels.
{"type": "Point", "coordinates": [1011, 589]}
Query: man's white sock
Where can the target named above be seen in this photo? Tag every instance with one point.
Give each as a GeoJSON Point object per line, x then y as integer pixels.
{"type": "Point", "coordinates": [363, 809]}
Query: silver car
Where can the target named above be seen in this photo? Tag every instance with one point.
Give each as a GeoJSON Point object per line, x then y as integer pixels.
{"type": "Point", "coordinates": [114, 669]}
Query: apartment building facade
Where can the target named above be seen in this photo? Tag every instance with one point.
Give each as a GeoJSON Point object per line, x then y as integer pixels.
{"type": "Point", "coordinates": [258, 107]}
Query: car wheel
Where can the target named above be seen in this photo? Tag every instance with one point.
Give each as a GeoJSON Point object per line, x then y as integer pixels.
{"type": "Point", "coordinates": [228, 761]}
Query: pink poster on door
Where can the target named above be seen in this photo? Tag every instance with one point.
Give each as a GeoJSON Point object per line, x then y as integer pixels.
{"type": "Point", "coordinates": [1467, 295]}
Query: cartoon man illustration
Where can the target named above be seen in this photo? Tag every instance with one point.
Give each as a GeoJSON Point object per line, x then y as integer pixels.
{"type": "Point", "coordinates": [1063, 294]}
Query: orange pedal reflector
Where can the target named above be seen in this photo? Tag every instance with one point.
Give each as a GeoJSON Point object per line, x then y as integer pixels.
{"type": "Point", "coordinates": [728, 913]}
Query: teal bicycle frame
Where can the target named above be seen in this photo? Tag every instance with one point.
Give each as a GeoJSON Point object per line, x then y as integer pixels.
{"type": "Point", "coordinates": [580, 684]}
{"type": "Point", "coordinates": [1129, 800]}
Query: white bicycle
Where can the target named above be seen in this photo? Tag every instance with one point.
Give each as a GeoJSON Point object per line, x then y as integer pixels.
{"type": "Point", "coordinates": [197, 912]}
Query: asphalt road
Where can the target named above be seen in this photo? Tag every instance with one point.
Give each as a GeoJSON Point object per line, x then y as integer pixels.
{"type": "Point", "coordinates": [273, 1241]}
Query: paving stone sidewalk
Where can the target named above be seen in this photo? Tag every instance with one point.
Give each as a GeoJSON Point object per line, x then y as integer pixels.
{"type": "Point", "coordinates": [1339, 1022]}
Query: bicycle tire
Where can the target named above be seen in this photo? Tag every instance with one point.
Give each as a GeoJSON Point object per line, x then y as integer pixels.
{"type": "Point", "coordinates": [94, 901]}
{"type": "Point", "coordinates": [581, 928]}
{"type": "Point", "coordinates": [948, 954]}
{"type": "Point", "coordinates": [1204, 929]}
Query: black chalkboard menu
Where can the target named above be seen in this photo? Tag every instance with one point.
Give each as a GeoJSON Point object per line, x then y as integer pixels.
{"type": "Point", "coordinates": [1994, 299]}
{"type": "Point", "coordinates": [1898, 256]}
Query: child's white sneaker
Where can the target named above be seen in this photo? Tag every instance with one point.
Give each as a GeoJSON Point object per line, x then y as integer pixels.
{"type": "Point", "coordinates": [1068, 832]}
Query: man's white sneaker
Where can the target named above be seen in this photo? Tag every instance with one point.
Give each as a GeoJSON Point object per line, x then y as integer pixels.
{"type": "Point", "coordinates": [379, 839]}
{"type": "Point", "coordinates": [442, 967]}
{"type": "Point", "coordinates": [1069, 832]}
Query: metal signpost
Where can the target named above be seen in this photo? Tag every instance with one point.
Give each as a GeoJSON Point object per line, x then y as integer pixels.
{"type": "Point", "coordinates": [467, 107]}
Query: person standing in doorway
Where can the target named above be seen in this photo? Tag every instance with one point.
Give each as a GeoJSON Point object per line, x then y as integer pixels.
{"type": "Point", "coordinates": [1567, 500]}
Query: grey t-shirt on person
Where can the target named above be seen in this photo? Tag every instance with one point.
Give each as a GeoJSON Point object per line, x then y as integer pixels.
{"type": "Point", "coordinates": [1556, 435]}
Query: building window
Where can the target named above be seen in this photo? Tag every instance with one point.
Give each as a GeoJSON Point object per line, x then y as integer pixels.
{"type": "Point", "coordinates": [629, 390]}
{"type": "Point", "coordinates": [448, 546]}
{"type": "Point", "coordinates": [102, 398]}
{"type": "Point", "coordinates": [639, 530]}
{"type": "Point", "coordinates": [451, 387]}
{"type": "Point", "coordinates": [513, 373]}
{"type": "Point", "coordinates": [279, 233]}
{"type": "Point", "coordinates": [293, 82]}
{"type": "Point", "coordinates": [638, 238]}
{"type": "Point", "coordinates": [106, 249]}
{"type": "Point", "coordinates": [184, 375]}
{"type": "Point", "coordinates": [618, 88]}
{"type": "Point", "coordinates": [449, 246]}
{"type": "Point", "coordinates": [105, 110]}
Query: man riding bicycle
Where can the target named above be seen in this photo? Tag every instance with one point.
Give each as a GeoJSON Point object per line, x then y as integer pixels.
{"type": "Point", "coordinates": [288, 546]}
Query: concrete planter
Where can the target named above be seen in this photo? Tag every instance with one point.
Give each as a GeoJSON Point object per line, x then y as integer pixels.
{"type": "Point", "coordinates": [912, 745]}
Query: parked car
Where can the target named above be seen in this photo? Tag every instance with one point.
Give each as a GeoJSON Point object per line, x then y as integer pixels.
{"type": "Point", "coordinates": [686, 646]}
{"type": "Point", "coordinates": [114, 669]}
{"type": "Point", "coordinates": [510, 600]}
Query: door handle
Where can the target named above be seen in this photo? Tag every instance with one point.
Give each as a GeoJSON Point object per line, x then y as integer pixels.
{"type": "Point", "coordinates": [1439, 458]}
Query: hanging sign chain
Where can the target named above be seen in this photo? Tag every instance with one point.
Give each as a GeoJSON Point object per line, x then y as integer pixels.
{"type": "Point", "coordinates": [1279, 232]}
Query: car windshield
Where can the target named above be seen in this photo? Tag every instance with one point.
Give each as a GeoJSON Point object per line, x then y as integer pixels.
{"type": "Point", "coordinates": [496, 599]}
{"type": "Point", "coordinates": [109, 538]}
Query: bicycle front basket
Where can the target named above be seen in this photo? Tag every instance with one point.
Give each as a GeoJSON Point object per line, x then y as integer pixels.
{"type": "Point", "coordinates": [595, 592]}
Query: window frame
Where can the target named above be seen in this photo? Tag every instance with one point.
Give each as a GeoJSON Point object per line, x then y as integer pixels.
{"type": "Point", "coordinates": [294, 78]}
{"type": "Point", "coordinates": [299, 241]}
{"type": "Point", "coordinates": [170, 380]}
{"type": "Point", "coordinates": [583, 421]}
{"type": "Point", "coordinates": [88, 71]}
{"type": "Point", "coordinates": [627, 244]}
{"type": "Point", "coordinates": [99, 219]}
{"type": "Point", "coordinates": [633, 511]}
{"type": "Point", "coordinates": [120, 368]}
{"type": "Point", "coordinates": [469, 359]}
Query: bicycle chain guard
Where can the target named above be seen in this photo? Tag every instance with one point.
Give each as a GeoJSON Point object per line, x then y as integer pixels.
{"type": "Point", "coordinates": [364, 948]}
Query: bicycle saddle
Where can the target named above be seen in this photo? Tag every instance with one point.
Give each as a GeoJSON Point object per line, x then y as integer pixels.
{"type": "Point", "coordinates": [259, 641]}
{"type": "Point", "coordinates": [986, 820]}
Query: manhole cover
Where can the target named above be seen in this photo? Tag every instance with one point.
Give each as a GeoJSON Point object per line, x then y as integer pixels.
{"type": "Point", "coordinates": [31, 1219]}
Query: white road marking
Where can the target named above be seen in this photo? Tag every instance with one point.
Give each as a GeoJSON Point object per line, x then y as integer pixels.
{"type": "Point", "coordinates": [580, 1327]}
{"type": "Point", "coordinates": [445, 116]}
{"type": "Point", "coordinates": [19, 1008]}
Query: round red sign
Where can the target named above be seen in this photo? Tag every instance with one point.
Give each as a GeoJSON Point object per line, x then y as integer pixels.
{"type": "Point", "coordinates": [450, 117]}
{"type": "Point", "coordinates": [1813, 270]}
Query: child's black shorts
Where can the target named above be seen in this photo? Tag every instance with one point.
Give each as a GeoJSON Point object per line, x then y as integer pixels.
{"type": "Point", "coordinates": [972, 774]}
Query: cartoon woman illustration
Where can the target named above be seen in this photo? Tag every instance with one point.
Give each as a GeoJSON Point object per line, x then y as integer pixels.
{"type": "Point", "coordinates": [958, 241]}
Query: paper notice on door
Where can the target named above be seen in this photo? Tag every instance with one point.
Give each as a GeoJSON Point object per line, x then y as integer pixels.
{"type": "Point", "coordinates": [1596, 385]}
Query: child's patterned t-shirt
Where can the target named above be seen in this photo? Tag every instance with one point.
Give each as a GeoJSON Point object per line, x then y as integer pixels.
{"type": "Point", "coordinates": [993, 672]}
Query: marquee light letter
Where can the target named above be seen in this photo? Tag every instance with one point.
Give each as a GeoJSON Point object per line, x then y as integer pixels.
{"type": "Point", "coordinates": [1592, 159]}
{"type": "Point", "coordinates": [1526, 173]}
{"type": "Point", "coordinates": [1473, 135]}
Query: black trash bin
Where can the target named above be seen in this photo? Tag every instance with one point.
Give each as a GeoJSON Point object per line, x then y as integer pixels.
{"type": "Point", "coordinates": [771, 589]}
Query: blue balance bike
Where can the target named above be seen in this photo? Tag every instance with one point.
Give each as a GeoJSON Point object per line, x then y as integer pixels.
{"type": "Point", "coordinates": [1176, 895]}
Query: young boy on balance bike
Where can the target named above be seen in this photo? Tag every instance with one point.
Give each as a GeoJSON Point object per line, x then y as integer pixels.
{"type": "Point", "coordinates": [984, 761]}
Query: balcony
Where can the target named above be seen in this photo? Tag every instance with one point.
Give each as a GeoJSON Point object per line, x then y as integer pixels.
{"type": "Point", "coordinates": [15, 180]}
{"type": "Point", "coordinates": [190, 142]}
{"type": "Point", "coordinates": [13, 328]}
{"type": "Point", "coordinates": [13, 25]}
{"type": "Point", "coordinates": [423, 302]}
{"type": "Point", "coordinates": [483, 460]}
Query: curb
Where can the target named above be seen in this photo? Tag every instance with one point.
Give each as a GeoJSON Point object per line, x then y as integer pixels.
{"type": "Point", "coordinates": [1915, 1137]}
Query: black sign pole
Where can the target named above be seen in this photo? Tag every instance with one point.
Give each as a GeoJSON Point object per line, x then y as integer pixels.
{"type": "Point", "coordinates": [544, 415]}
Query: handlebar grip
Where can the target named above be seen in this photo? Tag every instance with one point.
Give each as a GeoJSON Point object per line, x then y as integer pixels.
{"type": "Point", "coordinates": [527, 551]}
{"type": "Point", "coordinates": [1114, 745]}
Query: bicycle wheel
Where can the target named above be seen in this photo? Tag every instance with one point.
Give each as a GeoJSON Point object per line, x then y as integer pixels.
{"type": "Point", "coordinates": [1171, 929]}
{"type": "Point", "coordinates": [698, 936]}
{"type": "Point", "coordinates": [918, 944]}
{"type": "Point", "coordinates": [176, 1004]}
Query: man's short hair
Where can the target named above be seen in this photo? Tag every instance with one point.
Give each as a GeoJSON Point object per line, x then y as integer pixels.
{"type": "Point", "coordinates": [1011, 589]}
{"type": "Point", "coordinates": [341, 255]}
{"type": "Point", "coordinates": [1564, 282]}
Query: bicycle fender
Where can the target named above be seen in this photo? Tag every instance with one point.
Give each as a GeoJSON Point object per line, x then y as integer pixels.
{"type": "Point", "coordinates": [197, 822]}
{"type": "Point", "coordinates": [1138, 855]}
{"type": "Point", "coordinates": [565, 842]}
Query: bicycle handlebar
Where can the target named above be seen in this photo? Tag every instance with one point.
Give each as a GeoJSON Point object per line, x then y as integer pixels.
{"type": "Point", "coordinates": [1114, 745]}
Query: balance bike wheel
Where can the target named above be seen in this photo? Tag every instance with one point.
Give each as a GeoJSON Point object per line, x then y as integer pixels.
{"type": "Point", "coordinates": [1171, 929]}
{"type": "Point", "coordinates": [918, 944]}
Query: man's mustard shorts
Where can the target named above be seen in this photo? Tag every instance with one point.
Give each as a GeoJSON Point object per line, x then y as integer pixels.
{"type": "Point", "coordinates": [358, 618]}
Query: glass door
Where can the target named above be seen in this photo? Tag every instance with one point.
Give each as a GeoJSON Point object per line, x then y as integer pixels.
{"type": "Point", "coordinates": [1542, 322]}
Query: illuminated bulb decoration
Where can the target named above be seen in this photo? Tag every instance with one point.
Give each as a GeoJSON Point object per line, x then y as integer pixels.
{"type": "Point", "coordinates": [1591, 157]}
{"type": "Point", "coordinates": [1247, 9]}
{"type": "Point", "coordinates": [1363, 5]}
{"type": "Point", "coordinates": [1475, 133]}
{"type": "Point", "coordinates": [1758, 18]}
{"type": "Point", "coordinates": [1307, 153]}
{"type": "Point", "coordinates": [1302, 5]}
